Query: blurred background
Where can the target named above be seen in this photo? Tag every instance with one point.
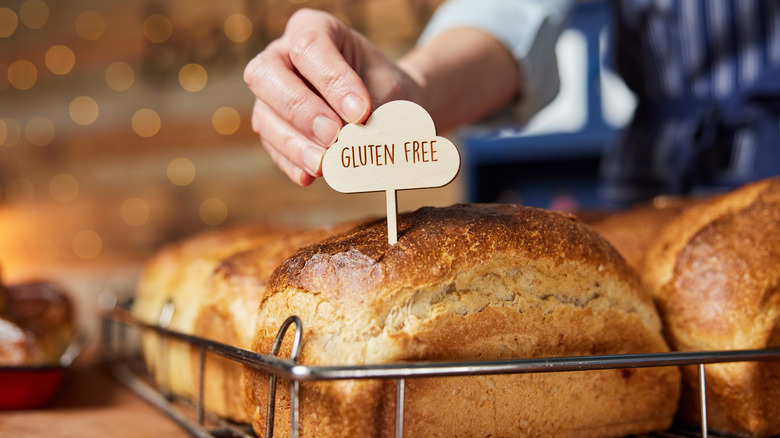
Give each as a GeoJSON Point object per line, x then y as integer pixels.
{"type": "Point", "coordinates": [126, 124]}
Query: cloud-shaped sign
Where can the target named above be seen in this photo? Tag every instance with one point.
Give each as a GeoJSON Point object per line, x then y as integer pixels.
{"type": "Point", "coordinates": [396, 149]}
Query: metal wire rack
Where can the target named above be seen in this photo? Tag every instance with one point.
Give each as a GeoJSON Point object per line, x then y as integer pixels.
{"type": "Point", "coordinates": [202, 424]}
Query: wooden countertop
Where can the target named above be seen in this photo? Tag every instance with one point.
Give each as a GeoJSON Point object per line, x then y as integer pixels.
{"type": "Point", "coordinates": [91, 403]}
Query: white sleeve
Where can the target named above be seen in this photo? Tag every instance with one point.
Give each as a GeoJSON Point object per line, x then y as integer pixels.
{"type": "Point", "coordinates": [528, 28]}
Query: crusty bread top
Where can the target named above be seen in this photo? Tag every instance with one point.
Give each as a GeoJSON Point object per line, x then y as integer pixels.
{"type": "Point", "coordinates": [258, 263]}
{"type": "Point", "coordinates": [238, 282]}
{"type": "Point", "coordinates": [362, 275]}
{"type": "Point", "coordinates": [715, 270]}
{"type": "Point", "coordinates": [179, 272]}
{"type": "Point", "coordinates": [633, 231]}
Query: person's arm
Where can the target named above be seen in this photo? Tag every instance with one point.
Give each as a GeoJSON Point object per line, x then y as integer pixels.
{"type": "Point", "coordinates": [528, 29]}
{"type": "Point", "coordinates": [321, 73]}
{"type": "Point", "coordinates": [464, 74]}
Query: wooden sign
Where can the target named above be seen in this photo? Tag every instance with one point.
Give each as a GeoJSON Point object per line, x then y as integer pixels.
{"type": "Point", "coordinates": [397, 149]}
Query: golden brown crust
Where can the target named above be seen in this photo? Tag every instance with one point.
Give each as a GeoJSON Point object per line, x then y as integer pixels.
{"type": "Point", "coordinates": [228, 312]}
{"type": "Point", "coordinates": [468, 282]}
{"type": "Point", "coordinates": [714, 272]}
{"type": "Point", "coordinates": [361, 271]}
{"type": "Point", "coordinates": [180, 274]}
{"type": "Point", "coordinates": [634, 231]}
{"type": "Point", "coordinates": [177, 272]}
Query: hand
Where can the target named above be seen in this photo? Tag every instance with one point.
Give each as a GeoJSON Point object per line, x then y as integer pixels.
{"type": "Point", "coordinates": [316, 76]}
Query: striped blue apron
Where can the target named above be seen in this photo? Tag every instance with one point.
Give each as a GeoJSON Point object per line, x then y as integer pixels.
{"type": "Point", "coordinates": [707, 78]}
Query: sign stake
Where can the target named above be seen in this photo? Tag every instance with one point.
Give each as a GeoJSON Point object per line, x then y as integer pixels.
{"type": "Point", "coordinates": [392, 215]}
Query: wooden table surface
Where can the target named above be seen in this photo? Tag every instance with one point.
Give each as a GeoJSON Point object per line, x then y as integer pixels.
{"type": "Point", "coordinates": [91, 403]}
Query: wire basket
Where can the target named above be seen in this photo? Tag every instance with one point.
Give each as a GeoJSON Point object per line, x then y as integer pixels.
{"type": "Point", "coordinates": [199, 423]}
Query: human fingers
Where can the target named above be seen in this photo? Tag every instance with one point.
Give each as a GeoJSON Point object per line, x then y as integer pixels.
{"type": "Point", "coordinates": [295, 173]}
{"type": "Point", "coordinates": [272, 79]}
{"type": "Point", "coordinates": [300, 153]}
{"type": "Point", "coordinates": [326, 56]}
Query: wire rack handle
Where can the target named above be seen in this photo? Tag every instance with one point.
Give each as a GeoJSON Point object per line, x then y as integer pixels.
{"type": "Point", "coordinates": [296, 352]}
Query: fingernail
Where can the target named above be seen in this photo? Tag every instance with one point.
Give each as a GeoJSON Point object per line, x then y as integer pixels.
{"type": "Point", "coordinates": [312, 157]}
{"type": "Point", "coordinates": [325, 130]}
{"type": "Point", "coordinates": [354, 108]}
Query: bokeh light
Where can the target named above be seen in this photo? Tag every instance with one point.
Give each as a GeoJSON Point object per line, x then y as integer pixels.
{"type": "Point", "coordinates": [83, 110]}
{"type": "Point", "coordinates": [60, 59]}
{"type": "Point", "coordinates": [87, 244]}
{"type": "Point", "coordinates": [213, 211]}
{"type": "Point", "coordinates": [63, 188]}
{"type": "Point", "coordinates": [8, 22]}
{"type": "Point", "coordinates": [90, 25]}
{"type": "Point", "coordinates": [34, 13]}
{"type": "Point", "coordinates": [22, 74]}
{"type": "Point", "coordinates": [10, 132]}
{"type": "Point", "coordinates": [193, 77]}
{"type": "Point", "coordinates": [226, 120]}
{"type": "Point", "coordinates": [135, 212]}
{"type": "Point", "coordinates": [238, 28]}
{"type": "Point", "coordinates": [157, 28]}
{"type": "Point", "coordinates": [181, 171]}
{"type": "Point", "coordinates": [120, 76]}
{"type": "Point", "coordinates": [146, 122]}
{"type": "Point", "coordinates": [39, 131]}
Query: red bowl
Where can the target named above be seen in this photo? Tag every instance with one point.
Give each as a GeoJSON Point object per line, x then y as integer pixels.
{"type": "Point", "coordinates": [27, 387]}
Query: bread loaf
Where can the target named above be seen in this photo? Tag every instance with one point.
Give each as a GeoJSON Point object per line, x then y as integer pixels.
{"type": "Point", "coordinates": [180, 274]}
{"type": "Point", "coordinates": [467, 282]}
{"type": "Point", "coordinates": [215, 280]}
{"type": "Point", "coordinates": [633, 231]}
{"type": "Point", "coordinates": [229, 310]}
{"type": "Point", "coordinates": [715, 272]}
{"type": "Point", "coordinates": [37, 323]}
{"type": "Point", "coordinates": [17, 346]}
